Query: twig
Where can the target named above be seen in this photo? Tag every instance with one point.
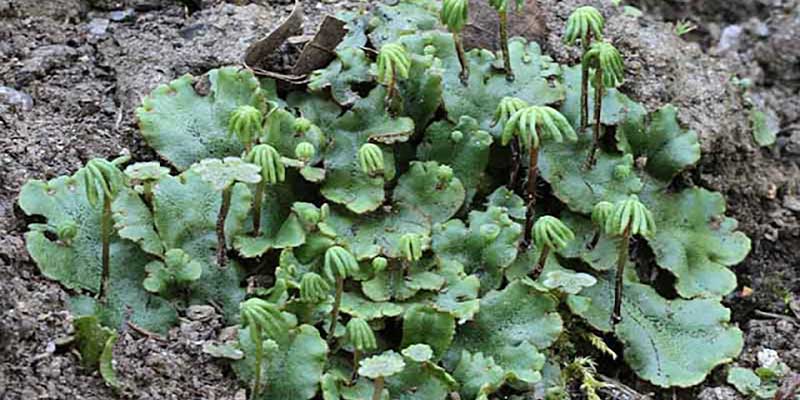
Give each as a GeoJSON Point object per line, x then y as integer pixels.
{"type": "Point", "coordinates": [770, 315]}
{"type": "Point", "coordinates": [369, 50]}
{"type": "Point", "coordinates": [146, 333]}
{"type": "Point", "coordinates": [625, 389]}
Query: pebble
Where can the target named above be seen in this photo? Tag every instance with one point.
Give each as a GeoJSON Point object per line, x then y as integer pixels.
{"type": "Point", "coordinates": [793, 144]}
{"type": "Point", "coordinates": [192, 31]}
{"type": "Point", "coordinates": [718, 393]}
{"type": "Point", "coordinates": [13, 97]}
{"type": "Point", "coordinates": [730, 38]}
{"type": "Point", "coordinates": [200, 312]}
{"type": "Point", "coordinates": [121, 16]}
{"type": "Point", "coordinates": [228, 333]}
{"type": "Point", "coordinates": [98, 26]}
{"type": "Point", "coordinates": [760, 28]}
{"type": "Point", "coordinates": [792, 203]}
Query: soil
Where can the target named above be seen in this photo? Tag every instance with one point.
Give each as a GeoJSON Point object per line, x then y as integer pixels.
{"type": "Point", "coordinates": [85, 65]}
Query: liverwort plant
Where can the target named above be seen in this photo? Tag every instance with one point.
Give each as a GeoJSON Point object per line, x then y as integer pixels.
{"type": "Point", "coordinates": [393, 65]}
{"type": "Point", "coordinates": [411, 247]}
{"type": "Point", "coordinates": [246, 123]}
{"type": "Point", "coordinates": [272, 172]}
{"type": "Point", "coordinates": [259, 317]}
{"type": "Point", "coordinates": [305, 151]}
{"type": "Point", "coordinates": [379, 264]}
{"type": "Point", "coordinates": [361, 337]}
{"type": "Point", "coordinates": [313, 288]}
{"type": "Point", "coordinates": [586, 24]}
{"type": "Point", "coordinates": [454, 15]}
{"type": "Point", "coordinates": [531, 125]}
{"type": "Point", "coordinates": [106, 175]}
{"type": "Point", "coordinates": [339, 264]}
{"type": "Point", "coordinates": [370, 158]}
{"type": "Point", "coordinates": [222, 174]}
{"type": "Point", "coordinates": [146, 174]}
{"type": "Point", "coordinates": [380, 367]}
{"type": "Point", "coordinates": [177, 269]}
{"type": "Point", "coordinates": [464, 310]}
{"type": "Point", "coordinates": [629, 217]}
{"type": "Point", "coordinates": [507, 107]}
{"type": "Point", "coordinates": [502, 12]}
{"type": "Point", "coordinates": [550, 234]}
{"type": "Point", "coordinates": [609, 72]}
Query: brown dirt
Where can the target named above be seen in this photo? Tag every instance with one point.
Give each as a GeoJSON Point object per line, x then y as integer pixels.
{"type": "Point", "coordinates": [85, 86]}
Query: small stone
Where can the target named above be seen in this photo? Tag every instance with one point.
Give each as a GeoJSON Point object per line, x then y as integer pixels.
{"type": "Point", "coordinates": [193, 31]}
{"type": "Point", "coordinates": [122, 16]}
{"type": "Point", "coordinates": [718, 393]}
{"type": "Point", "coordinates": [200, 312]}
{"type": "Point", "coordinates": [228, 333]}
{"type": "Point", "coordinates": [224, 350]}
{"type": "Point", "coordinates": [760, 28]}
{"type": "Point", "coordinates": [731, 36]}
{"type": "Point", "coordinates": [771, 191]}
{"type": "Point", "coordinates": [15, 98]}
{"type": "Point", "coordinates": [98, 26]}
{"type": "Point", "coordinates": [768, 358]}
{"type": "Point", "coordinates": [771, 234]}
{"type": "Point", "coordinates": [792, 146]}
{"type": "Point", "coordinates": [240, 395]}
{"type": "Point", "coordinates": [794, 305]}
{"type": "Point", "coordinates": [792, 203]}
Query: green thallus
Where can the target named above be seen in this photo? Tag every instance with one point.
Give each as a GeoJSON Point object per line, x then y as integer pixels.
{"type": "Point", "coordinates": [380, 367]}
